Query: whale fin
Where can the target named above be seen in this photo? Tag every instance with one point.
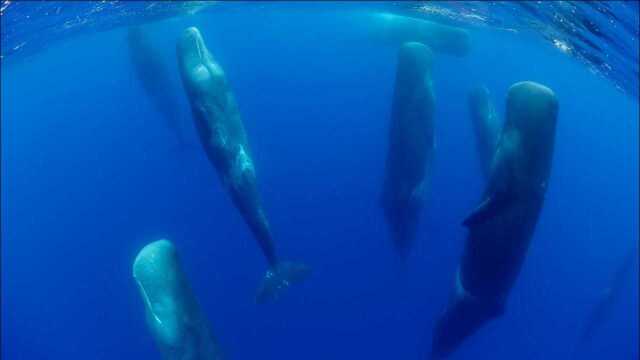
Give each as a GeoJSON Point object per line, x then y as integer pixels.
{"type": "Point", "coordinates": [278, 278]}
{"type": "Point", "coordinates": [487, 209]}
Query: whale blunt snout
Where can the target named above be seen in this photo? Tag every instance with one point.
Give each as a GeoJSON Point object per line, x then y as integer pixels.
{"type": "Point", "coordinates": [156, 270]}
{"type": "Point", "coordinates": [196, 64]}
{"type": "Point", "coordinates": [152, 257]}
{"type": "Point", "coordinates": [533, 108]}
{"type": "Point", "coordinates": [191, 45]}
{"type": "Point", "coordinates": [532, 95]}
{"type": "Point", "coordinates": [531, 86]}
{"type": "Point", "coordinates": [193, 36]}
{"type": "Point", "coordinates": [192, 30]}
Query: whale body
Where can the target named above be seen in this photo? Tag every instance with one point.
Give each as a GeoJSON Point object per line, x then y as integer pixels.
{"type": "Point", "coordinates": [501, 227]}
{"type": "Point", "coordinates": [411, 143]}
{"type": "Point", "coordinates": [172, 312]}
{"type": "Point", "coordinates": [223, 137]}
{"type": "Point", "coordinates": [398, 29]}
{"type": "Point", "coordinates": [153, 73]}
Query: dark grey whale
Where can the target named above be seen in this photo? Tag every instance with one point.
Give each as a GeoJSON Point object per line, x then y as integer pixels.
{"type": "Point", "coordinates": [501, 227]}
{"type": "Point", "coordinates": [411, 143]}
{"type": "Point", "coordinates": [223, 137]}
{"type": "Point", "coordinates": [173, 315]}
{"type": "Point", "coordinates": [153, 71]}
{"type": "Point", "coordinates": [602, 309]}
{"type": "Point", "coordinates": [486, 126]}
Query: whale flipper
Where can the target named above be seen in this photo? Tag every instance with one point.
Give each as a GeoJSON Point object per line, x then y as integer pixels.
{"type": "Point", "coordinates": [486, 126]}
{"type": "Point", "coordinates": [500, 194]}
{"type": "Point", "coordinates": [279, 277]}
{"type": "Point", "coordinates": [489, 208]}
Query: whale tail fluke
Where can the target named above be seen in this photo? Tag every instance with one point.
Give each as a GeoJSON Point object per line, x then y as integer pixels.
{"type": "Point", "coordinates": [278, 278]}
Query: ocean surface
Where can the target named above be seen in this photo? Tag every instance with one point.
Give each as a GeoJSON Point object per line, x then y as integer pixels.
{"type": "Point", "coordinates": [93, 169]}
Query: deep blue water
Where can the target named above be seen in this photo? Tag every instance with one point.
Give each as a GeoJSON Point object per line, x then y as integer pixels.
{"type": "Point", "coordinates": [91, 173]}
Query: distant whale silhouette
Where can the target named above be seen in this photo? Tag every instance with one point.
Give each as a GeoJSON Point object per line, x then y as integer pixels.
{"type": "Point", "coordinates": [411, 144]}
{"type": "Point", "coordinates": [398, 29]}
{"type": "Point", "coordinates": [173, 315]}
{"type": "Point", "coordinates": [602, 309]}
{"type": "Point", "coordinates": [501, 227]}
{"type": "Point", "coordinates": [153, 74]}
{"type": "Point", "coordinates": [223, 137]}
{"type": "Point", "coordinates": [486, 126]}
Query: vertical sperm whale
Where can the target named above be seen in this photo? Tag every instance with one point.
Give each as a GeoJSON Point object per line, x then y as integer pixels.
{"type": "Point", "coordinates": [153, 74]}
{"type": "Point", "coordinates": [501, 227]}
{"type": "Point", "coordinates": [225, 142]}
{"type": "Point", "coordinates": [411, 144]}
{"type": "Point", "coordinates": [602, 309]}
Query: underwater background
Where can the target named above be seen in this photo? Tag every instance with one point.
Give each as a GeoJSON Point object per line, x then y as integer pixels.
{"type": "Point", "coordinates": [91, 172]}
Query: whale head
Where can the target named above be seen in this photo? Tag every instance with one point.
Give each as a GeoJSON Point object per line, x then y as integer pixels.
{"type": "Point", "coordinates": [531, 115]}
{"type": "Point", "coordinates": [200, 72]}
{"type": "Point", "coordinates": [532, 109]}
{"type": "Point", "coordinates": [172, 312]}
{"type": "Point", "coordinates": [159, 278]}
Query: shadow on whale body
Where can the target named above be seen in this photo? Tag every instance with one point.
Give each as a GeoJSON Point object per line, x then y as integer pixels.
{"type": "Point", "coordinates": [398, 29]}
{"type": "Point", "coordinates": [219, 126]}
{"type": "Point", "coordinates": [501, 227]}
{"type": "Point", "coordinates": [411, 144]}
{"type": "Point", "coordinates": [172, 312]}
